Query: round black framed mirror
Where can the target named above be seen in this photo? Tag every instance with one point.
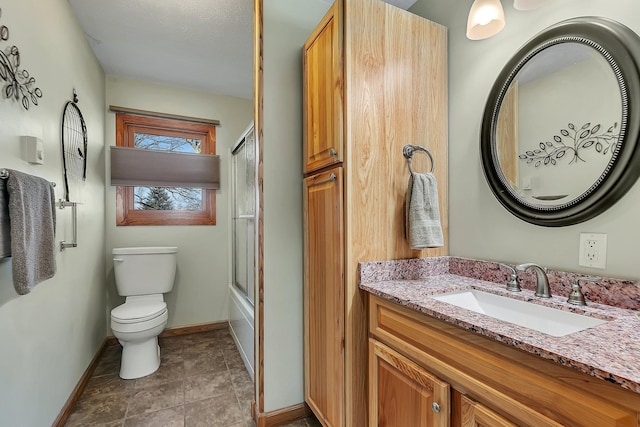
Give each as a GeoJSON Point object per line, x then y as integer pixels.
{"type": "Point", "coordinates": [559, 137]}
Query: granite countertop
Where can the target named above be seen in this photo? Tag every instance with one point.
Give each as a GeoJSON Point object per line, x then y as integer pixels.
{"type": "Point", "coordinates": [610, 351]}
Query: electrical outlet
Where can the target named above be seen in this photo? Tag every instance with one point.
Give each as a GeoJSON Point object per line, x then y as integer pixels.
{"type": "Point", "coordinates": [593, 250]}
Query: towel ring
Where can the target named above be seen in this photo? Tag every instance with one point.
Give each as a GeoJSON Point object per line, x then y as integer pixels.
{"type": "Point", "coordinates": [409, 150]}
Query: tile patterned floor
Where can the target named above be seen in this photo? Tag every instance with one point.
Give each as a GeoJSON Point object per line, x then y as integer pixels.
{"type": "Point", "coordinates": [202, 382]}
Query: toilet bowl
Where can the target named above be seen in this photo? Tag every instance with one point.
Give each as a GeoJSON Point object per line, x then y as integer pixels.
{"type": "Point", "coordinates": [142, 275]}
{"type": "Point", "coordinates": [136, 324]}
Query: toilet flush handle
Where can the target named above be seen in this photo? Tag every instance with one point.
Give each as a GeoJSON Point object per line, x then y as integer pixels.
{"type": "Point", "coordinates": [118, 260]}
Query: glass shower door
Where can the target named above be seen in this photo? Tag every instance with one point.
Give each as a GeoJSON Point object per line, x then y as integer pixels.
{"type": "Point", "coordinates": [244, 214]}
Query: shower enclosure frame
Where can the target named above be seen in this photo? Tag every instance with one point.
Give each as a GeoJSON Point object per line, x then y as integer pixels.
{"type": "Point", "coordinates": [241, 298]}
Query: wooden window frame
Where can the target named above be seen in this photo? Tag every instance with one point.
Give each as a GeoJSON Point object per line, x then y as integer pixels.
{"type": "Point", "coordinates": [126, 125]}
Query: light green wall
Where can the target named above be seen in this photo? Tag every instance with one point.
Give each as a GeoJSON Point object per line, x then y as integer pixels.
{"type": "Point", "coordinates": [479, 227]}
{"type": "Point", "coordinates": [200, 293]}
{"type": "Point", "coordinates": [49, 336]}
{"type": "Point", "coordinates": [287, 25]}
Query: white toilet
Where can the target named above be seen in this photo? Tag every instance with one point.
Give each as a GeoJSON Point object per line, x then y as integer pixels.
{"type": "Point", "coordinates": [142, 275]}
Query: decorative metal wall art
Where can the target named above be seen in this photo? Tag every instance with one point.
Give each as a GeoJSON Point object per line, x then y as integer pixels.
{"type": "Point", "coordinates": [74, 143]}
{"type": "Point", "coordinates": [20, 85]}
{"type": "Point", "coordinates": [587, 137]}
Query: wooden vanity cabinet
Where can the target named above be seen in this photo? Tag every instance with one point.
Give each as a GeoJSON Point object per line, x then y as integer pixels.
{"type": "Point", "coordinates": [474, 414]}
{"type": "Point", "coordinates": [374, 80]}
{"type": "Point", "coordinates": [404, 393]}
{"type": "Point", "coordinates": [493, 384]}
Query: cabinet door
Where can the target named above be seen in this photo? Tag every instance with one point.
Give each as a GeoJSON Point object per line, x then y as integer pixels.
{"type": "Point", "coordinates": [475, 414]}
{"type": "Point", "coordinates": [322, 93]}
{"type": "Point", "coordinates": [402, 393]}
{"type": "Point", "coordinates": [324, 296]}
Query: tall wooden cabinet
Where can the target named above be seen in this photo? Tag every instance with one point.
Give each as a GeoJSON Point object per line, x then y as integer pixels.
{"type": "Point", "coordinates": [323, 92]}
{"type": "Point", "coordinates": [324, 297]}
{"type": "Point", "coordinates": [374, 80]}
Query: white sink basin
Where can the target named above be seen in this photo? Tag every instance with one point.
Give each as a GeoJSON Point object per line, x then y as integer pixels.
{"type": "Point", "coordinates": [533, 316]}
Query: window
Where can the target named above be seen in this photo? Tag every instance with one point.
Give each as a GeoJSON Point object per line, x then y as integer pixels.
{"type": "Point", "coordinates": [165, 205]}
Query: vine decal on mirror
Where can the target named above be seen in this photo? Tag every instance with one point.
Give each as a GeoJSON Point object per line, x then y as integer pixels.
{"type": "Point", "coordinates": [572, 141]}
{"type": "Point", "coordinates": [20, 85]}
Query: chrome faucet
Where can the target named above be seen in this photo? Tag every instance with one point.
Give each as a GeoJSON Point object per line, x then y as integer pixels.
{"type": "Point", "coordinates": [542, 281]}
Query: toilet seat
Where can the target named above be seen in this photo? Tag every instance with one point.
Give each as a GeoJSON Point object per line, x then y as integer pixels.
{"type": "Point", "coordinates": [138, 311]}
{"type": "Point", "coordinates": [132, 331]}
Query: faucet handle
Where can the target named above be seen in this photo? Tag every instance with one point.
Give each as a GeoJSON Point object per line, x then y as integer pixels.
{"type": "Point", "coordinates": [513, 284]}
{"type": "Point", "coordinates": [576, 297]}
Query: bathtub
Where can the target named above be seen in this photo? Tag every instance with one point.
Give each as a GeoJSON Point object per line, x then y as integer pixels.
{"type": "Point", "coordinates": [241, 325]}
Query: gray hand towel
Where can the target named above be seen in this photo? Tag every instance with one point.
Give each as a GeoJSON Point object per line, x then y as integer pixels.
{"type": "Point", "coordinates": [423, 226]}
{"type": "Point", "coordinates": [5, 239]}
{"type": "Point", "coordinates": [32, 213]}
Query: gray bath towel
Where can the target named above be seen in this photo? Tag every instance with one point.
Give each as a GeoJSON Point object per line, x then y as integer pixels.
{"type": "Point", "coordinates": [32, 212]}
{"type": "Point", "coordinates": [423, 226]}
{"type": "Point", "coordinates": [5, 239]}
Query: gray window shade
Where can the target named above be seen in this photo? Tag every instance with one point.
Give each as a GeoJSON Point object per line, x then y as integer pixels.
{"type": "Point", "coordinates": [139, 167]}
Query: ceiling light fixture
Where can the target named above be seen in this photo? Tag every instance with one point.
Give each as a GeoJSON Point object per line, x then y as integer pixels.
{"type": "Point", "coordinates": [528, 4]}
{"type": "Point", "coordinates": [486, 19]}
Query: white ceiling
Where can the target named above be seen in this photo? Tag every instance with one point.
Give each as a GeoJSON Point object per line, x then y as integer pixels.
{"type": "Point", "coordinates": [199, 44]}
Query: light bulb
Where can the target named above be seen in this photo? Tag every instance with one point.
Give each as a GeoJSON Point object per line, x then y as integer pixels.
{"type": "Point", "coordinates": [486, 18]}
{"type": "Point", "coordinates": [485, 15]}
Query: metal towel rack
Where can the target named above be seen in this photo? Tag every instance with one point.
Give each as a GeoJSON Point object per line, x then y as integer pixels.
{"type": "Point", "coordinates": [409, 150]}
{"type": "Point", "coordinates": [4, 174]}
{"type": "Point", "coordinates": [74, 219]}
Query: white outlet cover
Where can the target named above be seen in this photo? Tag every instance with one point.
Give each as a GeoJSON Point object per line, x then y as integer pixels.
{"type": "Point", "coordinates": [593, 250]}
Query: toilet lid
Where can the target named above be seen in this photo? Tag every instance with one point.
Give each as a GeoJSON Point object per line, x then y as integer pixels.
{"type": "Point", "coordinates": [139, 311]}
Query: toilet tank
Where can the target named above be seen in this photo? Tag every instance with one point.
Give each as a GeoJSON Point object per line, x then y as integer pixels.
{"type": "Point", "coordinates": [144, 271]}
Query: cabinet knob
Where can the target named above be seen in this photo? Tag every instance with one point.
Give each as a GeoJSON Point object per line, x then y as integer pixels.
{"type": "Point", "coordinates": [333, 152]}
{"type": "Point", "coordinates": [435, 407]}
